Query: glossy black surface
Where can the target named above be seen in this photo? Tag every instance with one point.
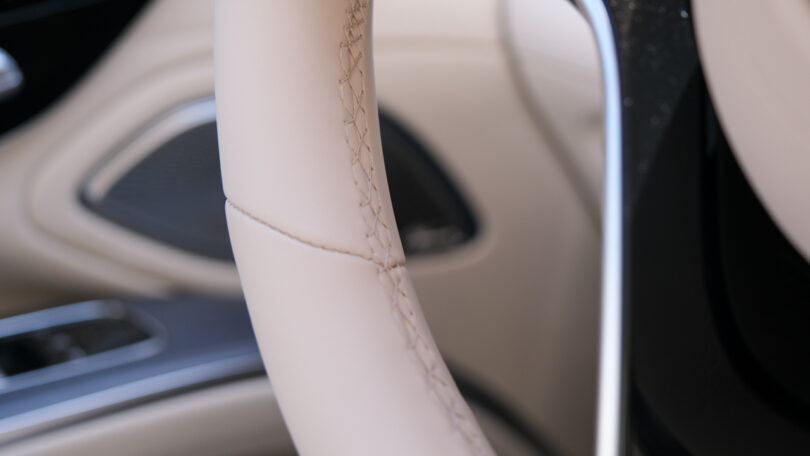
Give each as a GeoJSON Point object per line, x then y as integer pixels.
{"type": "Point", "coordinates": [716, 356]}
{"type": "Point", "coordinates": [766, 294]}
{"type": "Point", "coordinates": [55, 42]}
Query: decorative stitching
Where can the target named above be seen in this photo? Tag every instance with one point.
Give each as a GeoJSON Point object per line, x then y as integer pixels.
{"type": "Point", "coordinates": [353, 93]}
{"type": "Point", "coordinates": [293, 237]}
{"type": "Point", "coordinates": [380, 235]}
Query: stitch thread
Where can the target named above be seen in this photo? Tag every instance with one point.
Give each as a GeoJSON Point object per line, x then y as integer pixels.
{"type": "Point", "coordinates": [301, 240]}
{"type": "Point", "coordinates": [379, 234]}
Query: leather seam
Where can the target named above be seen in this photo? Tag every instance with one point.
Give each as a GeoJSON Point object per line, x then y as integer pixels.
{"type": "Point", "coordinates": [379, 234]}
{"type": "Point", "coordinates": [240, 210]}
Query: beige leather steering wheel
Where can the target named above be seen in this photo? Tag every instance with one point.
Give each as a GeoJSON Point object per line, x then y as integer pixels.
{"type": "Point", "coordinates": [342, 335]}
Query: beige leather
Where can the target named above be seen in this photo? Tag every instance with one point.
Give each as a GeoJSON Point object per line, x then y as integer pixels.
{"type": "Point", "coordinates": [524, 295]}
{"type": "Point", "coordinates": [239, 419]}
{"type": "Point", "coordinates": [519, 297]}
{"type": "Point", "coordinates": [342, 335]}
{"type": "Point", "coordinates": [756, 57]}
{"type": "Point", "coordinates": [566, 103]}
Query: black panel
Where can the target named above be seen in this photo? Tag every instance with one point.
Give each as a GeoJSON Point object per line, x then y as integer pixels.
{"type": "Point", "coordinates": [175, 195]}
{"type": "Point", "coordinates": [55, 42]}
{"type": "Point", "coordinates": [715, 296]}
{"type": "Point", "coordinates": [764, 307]}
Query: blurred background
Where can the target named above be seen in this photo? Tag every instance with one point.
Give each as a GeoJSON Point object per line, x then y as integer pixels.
{"type": "Point", "coordinates": [123, 328]}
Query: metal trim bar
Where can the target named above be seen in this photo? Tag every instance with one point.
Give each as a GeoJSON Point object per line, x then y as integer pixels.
{"type": "Point", "coordinates": [610, 395]}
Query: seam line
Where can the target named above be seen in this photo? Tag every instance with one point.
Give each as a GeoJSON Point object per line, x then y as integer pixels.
{"type": "Point", "coordinates": [308, 243]}
{"type": "Point", "coordinates": [380, 234]}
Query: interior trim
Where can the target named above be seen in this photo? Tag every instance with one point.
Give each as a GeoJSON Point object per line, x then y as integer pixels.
{"type": "Point", "coordinates": [216, 346]}
{"type": "Point", "coordinates": [176, 122]}
{"type": "Point", "coordinates": [118, 398]}
{"type": "Point", "coordinates": [610, 402]}
{"type": "Point", "coordinates": [76, 313]}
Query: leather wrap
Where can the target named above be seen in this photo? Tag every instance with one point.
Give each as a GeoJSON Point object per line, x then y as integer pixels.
{"type": "Point", "coordinates": [342, 335]}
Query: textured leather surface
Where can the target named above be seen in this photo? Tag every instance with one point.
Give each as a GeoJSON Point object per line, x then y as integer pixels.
{"type": "Point", "coordinates": [352, 361]}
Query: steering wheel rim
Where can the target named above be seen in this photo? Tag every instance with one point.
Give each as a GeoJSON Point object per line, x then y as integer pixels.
{"type": "Point", "coordinates": [342, 335]}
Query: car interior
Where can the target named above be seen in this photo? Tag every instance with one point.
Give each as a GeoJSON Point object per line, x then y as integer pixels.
{"type": "Point", "coordinates": [125, 327]}
{"type": "Point", "coordinates": [478, 227]}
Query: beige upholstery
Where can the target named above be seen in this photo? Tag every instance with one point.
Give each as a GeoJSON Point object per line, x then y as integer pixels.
{"type": "Point", "coordinates": [342, 335]}
{"type": "Point", "coordinates": [756, 57]}
{"type": "Point", "coordinates": [239, 418]}
{"type": "Point", "coordinates": [521, 296]}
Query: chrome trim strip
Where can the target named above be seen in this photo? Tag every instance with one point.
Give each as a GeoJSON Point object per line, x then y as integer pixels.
{"type": "Point", "coordinates": [117, 398]}
{"type": "Point", "coordinates": [77, 313]}
{"type": "Point", "coordinates": [60, 316]}
{"type": "Point", "coordinates": [610, 400]}
{"type": "Point", "coordinates": [11, 78]}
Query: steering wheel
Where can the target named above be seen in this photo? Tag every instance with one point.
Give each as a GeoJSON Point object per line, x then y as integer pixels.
{"type": "Point", "coordinates": [342, 335]}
